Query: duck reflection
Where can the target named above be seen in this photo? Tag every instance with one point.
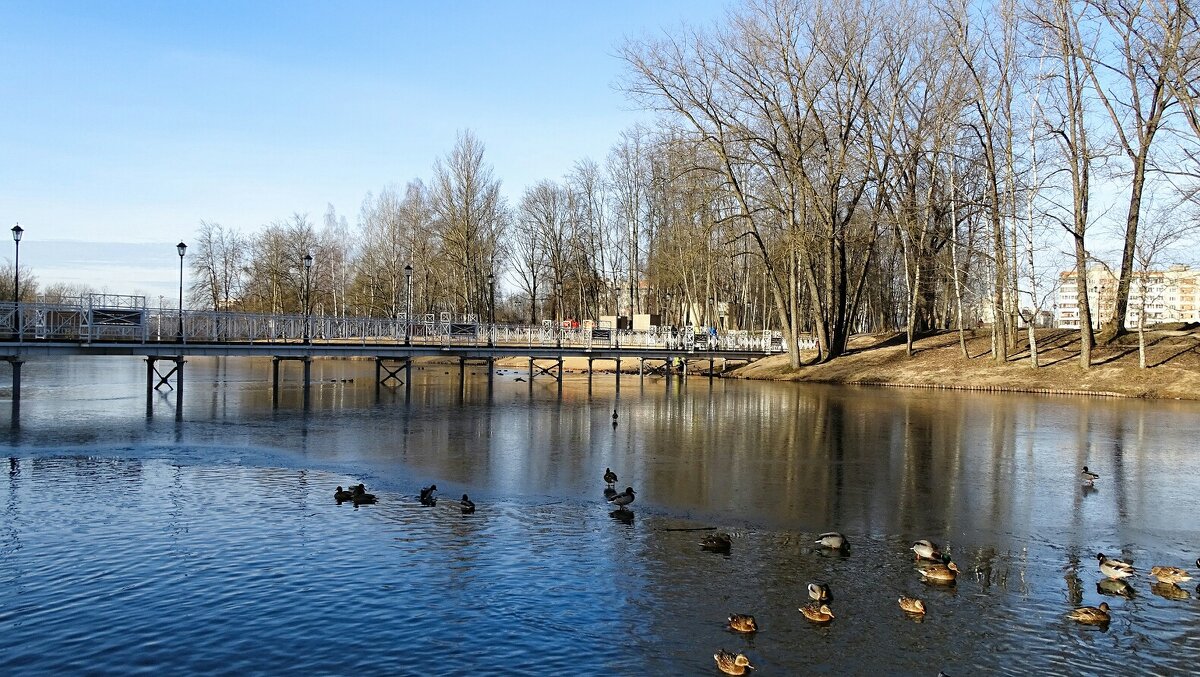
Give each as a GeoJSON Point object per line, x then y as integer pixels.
{"type": "Point", "coordinates": [622, 515]}
{"type": "Point", "coordinates": [1169, 591]}
{"type": "Point", "coordinates": [1116, 588]}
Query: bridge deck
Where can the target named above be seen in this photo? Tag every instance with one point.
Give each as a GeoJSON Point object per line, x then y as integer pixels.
{"type": "Point", "coordinates": [28, 349]}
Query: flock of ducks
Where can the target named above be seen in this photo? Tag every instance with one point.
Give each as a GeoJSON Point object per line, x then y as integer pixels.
{"type": "Point", "coordinates": [935, 567]}
{"type": "Point", "coordinates": [1115, 572]}
{"type": "Point", "coordinates": [358, 495]}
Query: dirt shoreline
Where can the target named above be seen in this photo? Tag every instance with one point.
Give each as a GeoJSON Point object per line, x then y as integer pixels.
{"type": "Point", "coordinates": [938, 363]}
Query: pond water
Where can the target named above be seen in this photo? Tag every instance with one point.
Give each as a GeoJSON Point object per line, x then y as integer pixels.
{"type": "Point", "coordinates": [134, 544]}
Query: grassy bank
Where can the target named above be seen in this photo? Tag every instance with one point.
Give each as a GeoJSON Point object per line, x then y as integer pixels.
{"type": "Point", "coordinates": [1173, 358]}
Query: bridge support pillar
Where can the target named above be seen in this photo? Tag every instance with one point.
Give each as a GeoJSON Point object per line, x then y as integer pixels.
{"type": "Point", "coordinates": [164, 380]}
{"type": "Point", "coordinates": [641, 369]}
{"type": "Point", "coordinates": [15, 363]}
{"type": "Point", "coordinates": [555, 370]}
{"type": "Point", "coordinates": [712, 368]}
{"type": "Point", "coordinates": [307, 360]}
{"type": "Point", "coordinates": [387, 372]}
{"type": "Point", "coordinates": [307, 382]}
{"type": "Point", "coordinates": [179, 361]}
{"type": "Point", "coordinates": [618, 374]}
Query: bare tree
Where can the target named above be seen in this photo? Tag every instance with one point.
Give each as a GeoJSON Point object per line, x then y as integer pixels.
{"type": "Point", "coordinates": [1131, 78]}
{"type": "Point", "coordinates": [1055, 22]}
{"type": "Point", "coordinates": [471, 217]}
{"type": "Point", "coordinates": [217, 266]}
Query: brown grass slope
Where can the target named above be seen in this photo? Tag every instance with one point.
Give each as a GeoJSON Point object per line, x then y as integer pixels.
{"type": "Point", "coordinates": [1173, 358]}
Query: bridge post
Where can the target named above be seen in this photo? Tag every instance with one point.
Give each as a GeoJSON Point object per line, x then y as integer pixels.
{"type": "Point", "coordinates": [641, 369]}
{"type": "Point", "coordinates": [589, 370]}
{"type": "Point", "coordinates": [712, 367]}
{"type": "Point", "coordinates": [307, 381]}
{"type": "Point", "coordinates": [15, 363]}
{"type": "Point", "coordinates": [274, 382]}
{"type": "Point", "coordinates": [378, 369]}
{"type": "Point", "coordinates": [149, 387]}
{"type": "Point", "coordinates": [163, 380]}
{"type": "Point", "coordinates": [618, 374]}
{"type": "Point", "coordinates": [408, 378]}
{"type": "Point", "coordinates": [179, 362]}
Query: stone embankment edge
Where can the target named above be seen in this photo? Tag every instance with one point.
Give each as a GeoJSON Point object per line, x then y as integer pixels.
{"type": "Point", "coordinates": [990, 389]}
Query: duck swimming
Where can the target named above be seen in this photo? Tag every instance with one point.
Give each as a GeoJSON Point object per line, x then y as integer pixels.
{"type": "Point", "coordinates": [610, 477]}
{"type": "Point", "coordinates": [819, 592]}
{"type": "Point", "coordinates": [817, 613]}
{"type": "Point", "coordinates": [833, 540]}
{"type": "Point", "coordinates": [467, 505]}
{"type": "Point", "coordinates": [1170, 574]}
{"type": "Point", "coordinates": [1114, 568]}
{"type": "Point", "coordinates": [742, 623]}
{"type": "Point", "coordinates": [1091, 614]}
{"type": "Point", "coordinates": [427, 497]}
{"type": "Point", "coordinates": [926, 549]}
{"type": "Point", "coordinates": [718, 542]}
{"type": "Point", "coordinates": [940, 573]}
{"type": "Point", "coordinates": [360, 495]}
{"type": "Point", "coordinates": [731, 663]}
{"type": "Point", "coordinates": [912, 605]}
{"type": "Point", "coordinates": [622, 499]}
{"type": "Point", "coordinates": [1089, 478]}
{"type": "Point", "coordinates": [340, 495]}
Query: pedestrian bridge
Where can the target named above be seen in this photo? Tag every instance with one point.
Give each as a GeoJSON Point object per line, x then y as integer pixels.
{"type": "Point", "coordinates": [105, 324]}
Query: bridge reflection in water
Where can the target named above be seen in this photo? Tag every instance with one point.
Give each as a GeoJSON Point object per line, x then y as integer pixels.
{"type": "Point", "coordinates": [106, 324]}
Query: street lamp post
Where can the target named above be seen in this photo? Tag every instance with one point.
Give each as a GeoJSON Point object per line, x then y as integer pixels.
{"type": "Point", "coordinates": [17, 231]}
{"type": "Point", "coordinates": [491, 309]}
{"type": "Point", "coordinates": [308, 261]}
{"type": "Point", "coordinates": [408, 305]}
{"type": "Point", "coordinates": [558, 311]}
{"type": "Point", "coordinates": [182, 249]}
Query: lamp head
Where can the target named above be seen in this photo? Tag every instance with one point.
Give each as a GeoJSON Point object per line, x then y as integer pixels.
{"type": "Point", "coordinates": [181, 248]}
{"type": "Point", "coordinates": [308, 259]}
{"type": "Point", "coordinates": [17, 231]}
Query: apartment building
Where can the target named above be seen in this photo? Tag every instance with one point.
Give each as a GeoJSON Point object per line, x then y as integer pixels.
{"type": "Point", "coordinates": [1170, 295]}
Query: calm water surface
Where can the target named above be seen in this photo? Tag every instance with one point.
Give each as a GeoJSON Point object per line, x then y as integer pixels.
{"type": "Point", "coordinates": [214, 545]}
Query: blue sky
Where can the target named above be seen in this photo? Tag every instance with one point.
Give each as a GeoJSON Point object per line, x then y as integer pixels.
{"type": "Point", "coordinates": [129, 122]}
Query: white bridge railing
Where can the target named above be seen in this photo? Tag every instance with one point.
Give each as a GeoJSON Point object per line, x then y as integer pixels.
{"type": "Point", "coordinates": [108, 318]}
